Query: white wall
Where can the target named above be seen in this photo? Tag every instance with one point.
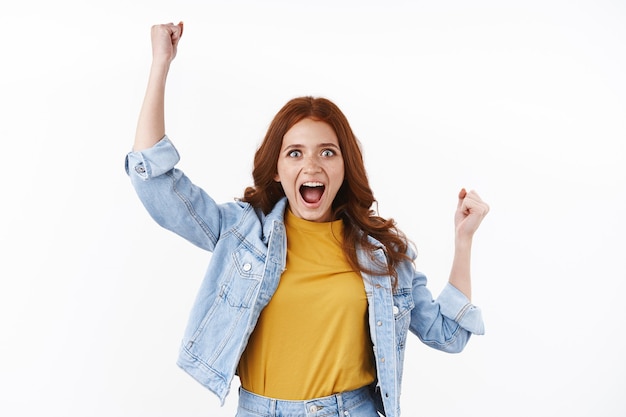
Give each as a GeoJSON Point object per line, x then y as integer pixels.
{"type": "Point", "coordinates": [523, 101]}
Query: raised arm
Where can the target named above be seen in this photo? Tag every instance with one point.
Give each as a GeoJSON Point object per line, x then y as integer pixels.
{"type": "Point", "coordinates": [151, 123]}
{"type": "Point", "coordinates": [471, 210]}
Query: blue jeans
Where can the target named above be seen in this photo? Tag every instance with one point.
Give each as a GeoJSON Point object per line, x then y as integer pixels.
{"type": "Point", "coordinates": [357, 403]}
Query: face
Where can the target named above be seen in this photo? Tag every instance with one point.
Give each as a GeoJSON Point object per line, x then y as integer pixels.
{"type": "Point", "coordinates": [310, 169]}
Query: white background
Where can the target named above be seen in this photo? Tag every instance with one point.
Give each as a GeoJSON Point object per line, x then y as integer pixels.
{"type": "Point", "coordinates": [523, 101]}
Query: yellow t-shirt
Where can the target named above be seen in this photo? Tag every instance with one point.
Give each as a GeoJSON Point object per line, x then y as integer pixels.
{"type": "Point", "coordinates": [312, 339]}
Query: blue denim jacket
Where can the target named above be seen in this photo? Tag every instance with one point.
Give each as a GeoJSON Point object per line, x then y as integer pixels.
{"type": "Point", "coordinates": [249, 251]}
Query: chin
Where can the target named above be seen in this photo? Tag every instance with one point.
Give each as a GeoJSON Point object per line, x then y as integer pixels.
{"type": "Point", "coordinates": [319, 217]}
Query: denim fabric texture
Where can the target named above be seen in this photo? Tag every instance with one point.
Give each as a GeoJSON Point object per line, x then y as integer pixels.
{"type": "Point", "coordinates": [357, 403]}
{"type": "Point", "coordinates": [248, 257]}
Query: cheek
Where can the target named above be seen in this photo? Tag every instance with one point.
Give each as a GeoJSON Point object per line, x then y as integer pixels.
{"type": "Point", "coordinates": [285, 175]}
{"type": "Point", "coordinates": [339, 174]}
{"type": "Point", "coordinates": [280, 173]}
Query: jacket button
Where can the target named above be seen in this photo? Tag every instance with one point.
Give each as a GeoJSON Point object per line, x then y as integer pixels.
{"type": "Point", "coordinates": [247, 267]}
{"type": "Point", "coordinates": [379, 323]}
{"type": "Point", "coordinates": [140, 169]}
{"type": "Point", "coordinates": [396, 310]}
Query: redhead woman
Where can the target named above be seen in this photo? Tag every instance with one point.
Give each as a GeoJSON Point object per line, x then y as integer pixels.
{"type": "Point", "coordinates": [309, 295]}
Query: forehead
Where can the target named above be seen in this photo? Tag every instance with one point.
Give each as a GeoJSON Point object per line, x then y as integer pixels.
{"type": "Point", "coordinates": [309, 132]}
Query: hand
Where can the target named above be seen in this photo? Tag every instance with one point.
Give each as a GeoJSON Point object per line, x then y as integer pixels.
{"type": "Point", "coordinates": [470, 212]}
{"type": "Point", "coordinates": [165, 41]}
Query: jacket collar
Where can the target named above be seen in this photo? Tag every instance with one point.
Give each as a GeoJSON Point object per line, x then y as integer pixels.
{"type": "Point", "coordinates": [276, 215]}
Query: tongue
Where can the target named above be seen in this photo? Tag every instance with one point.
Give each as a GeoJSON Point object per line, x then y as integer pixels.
{"type": "Point", "coordinates": [312, 194]}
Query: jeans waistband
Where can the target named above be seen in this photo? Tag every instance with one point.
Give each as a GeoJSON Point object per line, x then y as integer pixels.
{"type": "Point", "coordinates": [332, 405]}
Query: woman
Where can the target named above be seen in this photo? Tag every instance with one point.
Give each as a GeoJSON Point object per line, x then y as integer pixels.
{"type": "Point", "coordinates": [309, 294]}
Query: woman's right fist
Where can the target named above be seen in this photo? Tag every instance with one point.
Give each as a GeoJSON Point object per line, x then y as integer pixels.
{"type": "Point", "coordinates": [165, 41]}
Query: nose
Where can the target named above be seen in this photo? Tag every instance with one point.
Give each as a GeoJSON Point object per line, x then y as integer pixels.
{"type": "Point", "coordinates": [311, 165]}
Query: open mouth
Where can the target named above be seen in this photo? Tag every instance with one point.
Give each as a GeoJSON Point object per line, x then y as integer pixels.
{"type": "Point", "coordinates": [312, 192]}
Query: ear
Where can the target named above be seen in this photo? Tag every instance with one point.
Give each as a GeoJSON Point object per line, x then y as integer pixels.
{"type": "Point", "coordinates": [277, 177]}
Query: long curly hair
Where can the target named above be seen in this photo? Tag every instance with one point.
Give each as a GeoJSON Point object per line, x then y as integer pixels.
{"type": "Point", "coordinates": [354, 201]}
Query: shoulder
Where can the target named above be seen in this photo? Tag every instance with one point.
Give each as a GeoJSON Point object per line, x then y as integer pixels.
{"type": "Point", "coordinates": [242, 218]}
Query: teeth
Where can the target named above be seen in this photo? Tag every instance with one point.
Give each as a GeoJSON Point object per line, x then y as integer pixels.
{"type": "Point", "coordinates": [313, 184]}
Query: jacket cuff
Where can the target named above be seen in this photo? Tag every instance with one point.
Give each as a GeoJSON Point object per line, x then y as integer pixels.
{"type": "Point", "coordinates": [456, 306]}
{"type": "Point", "coordinates": [152, 162]}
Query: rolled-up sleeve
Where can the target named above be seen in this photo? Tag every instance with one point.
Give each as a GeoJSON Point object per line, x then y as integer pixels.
{"type": "Point", "coordinates": [456, 306]}
{"type": "Point", "coordinates": [152, 162]}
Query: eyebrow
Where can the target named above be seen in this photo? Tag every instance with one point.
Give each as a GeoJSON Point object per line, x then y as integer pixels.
{"type": "Point", "coordinates": [321, 145]}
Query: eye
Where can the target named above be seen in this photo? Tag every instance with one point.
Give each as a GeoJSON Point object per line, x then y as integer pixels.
{"type": "Point", "coordinates": [294, 154]}
{"type": "Point", "coordinates": [328, 152]}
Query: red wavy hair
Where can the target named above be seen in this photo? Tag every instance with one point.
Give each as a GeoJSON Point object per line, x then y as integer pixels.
{"type": "Point", "coordinates": [354, 201]}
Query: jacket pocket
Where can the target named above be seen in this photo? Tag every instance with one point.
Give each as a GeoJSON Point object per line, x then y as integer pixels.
{"type": "Point", "coordinates": [402, 306]}
{"type": "Point", "coordinates": [243, 280]}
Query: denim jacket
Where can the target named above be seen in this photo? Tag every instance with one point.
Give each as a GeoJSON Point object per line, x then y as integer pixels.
{"type": "Point", "coordinates": [248, 257]}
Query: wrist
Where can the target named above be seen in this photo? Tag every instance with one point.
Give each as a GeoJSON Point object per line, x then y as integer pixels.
{"type": "Point", "coordinates": [463, 243]}
{"type": "Point", "coordinates": [159, 63]}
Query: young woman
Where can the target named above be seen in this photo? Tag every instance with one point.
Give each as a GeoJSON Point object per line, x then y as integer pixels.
{"type": "Point", "coordinates": [309, 295]}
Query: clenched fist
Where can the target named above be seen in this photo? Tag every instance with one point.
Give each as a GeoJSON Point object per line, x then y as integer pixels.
{"type": "Point", "coordinates": [165, 39]}
{"type": "Point", "coordinates": [470, 211]}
